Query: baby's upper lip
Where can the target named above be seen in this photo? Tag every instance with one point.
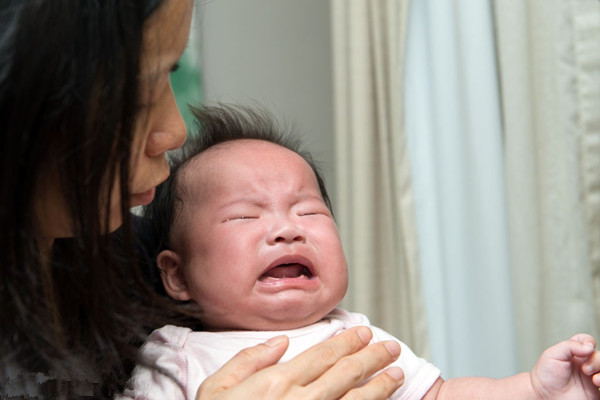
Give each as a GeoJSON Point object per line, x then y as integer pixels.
{"type": "Point", "coordinates": [291, 259]}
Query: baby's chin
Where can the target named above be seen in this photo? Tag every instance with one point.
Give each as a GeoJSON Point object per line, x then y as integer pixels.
{"type": "Point", "coordinates": [270, 324]}
{"type": "Point", "coordinates": [288, 325]}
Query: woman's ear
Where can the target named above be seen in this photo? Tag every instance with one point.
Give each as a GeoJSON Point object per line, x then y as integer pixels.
{"type": "Point", "coordinates": [172, 275]}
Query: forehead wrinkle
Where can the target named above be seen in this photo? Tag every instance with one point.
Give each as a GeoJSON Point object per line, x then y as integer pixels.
{"type": "Point", "coordinates": [195, 174]}
{"type": "Point", "coordinates": [223, 150]}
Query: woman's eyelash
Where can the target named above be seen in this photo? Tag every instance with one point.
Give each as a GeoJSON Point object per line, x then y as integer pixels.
{"type": "Point", "coordinates": [176, 66]}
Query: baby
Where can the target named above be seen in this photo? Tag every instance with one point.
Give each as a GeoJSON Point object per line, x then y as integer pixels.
{"type": "Point", "coordinates": [251, 242]}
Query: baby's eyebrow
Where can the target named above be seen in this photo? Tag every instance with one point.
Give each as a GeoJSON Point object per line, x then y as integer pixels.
{"type": "Point", "coordinates": [242, 201]}
{"type": "Point", "coordinates": [259, 202]}
{"type": "Point", "coordinates": [310, 196]}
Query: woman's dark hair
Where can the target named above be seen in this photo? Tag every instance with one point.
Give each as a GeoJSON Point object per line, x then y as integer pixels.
{"type": "Point", "coordinates": [68, 98]}
{"type": "Point", "coordinates": [215, 125]}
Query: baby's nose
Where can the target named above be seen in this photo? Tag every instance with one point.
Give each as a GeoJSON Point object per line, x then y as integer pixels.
{"type": "Point", "coordinates": [287, 233]}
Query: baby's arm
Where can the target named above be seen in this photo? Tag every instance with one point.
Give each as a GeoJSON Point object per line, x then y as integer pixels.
{"type": "Point", "coordinates": [569, 370]}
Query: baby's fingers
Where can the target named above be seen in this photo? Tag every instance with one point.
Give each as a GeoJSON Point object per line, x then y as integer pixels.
{"type": "Point", "coordinates": [588, 344]}
{"type": "Point", "coordinates": [580, 345]}
{"type": "Point", "coordinates": [592, 367]}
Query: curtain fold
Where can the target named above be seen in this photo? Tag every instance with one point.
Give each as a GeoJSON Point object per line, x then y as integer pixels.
{"type": "Point", "coordinates": [375, 207]}
{"type": "Point", "coordinates": [543, 158]}
{"type": "Point", "coordinates": [549, 61]}
{"type": "Point", "coordinates": [587, 59]}
{"type": "Point", "coordinates": [453, 125]}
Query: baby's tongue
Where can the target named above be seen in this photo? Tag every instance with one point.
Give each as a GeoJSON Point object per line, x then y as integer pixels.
{"type": "Point", "coordinates": [284, 271]}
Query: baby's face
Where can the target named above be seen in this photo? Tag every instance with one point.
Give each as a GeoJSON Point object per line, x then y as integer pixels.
{"type": "Point", "coordinates": [260, 248]}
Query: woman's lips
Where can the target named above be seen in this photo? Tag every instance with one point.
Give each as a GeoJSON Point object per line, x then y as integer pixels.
{"type": "Point", "coordinates": [143, 199]}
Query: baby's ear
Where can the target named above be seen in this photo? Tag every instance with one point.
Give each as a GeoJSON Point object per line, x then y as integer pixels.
{"type": "Point", "coordinates": [171, 273]}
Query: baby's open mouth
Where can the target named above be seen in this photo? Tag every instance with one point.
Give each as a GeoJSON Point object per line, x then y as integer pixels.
{"type": "Point", "coordinates": [287, 271]}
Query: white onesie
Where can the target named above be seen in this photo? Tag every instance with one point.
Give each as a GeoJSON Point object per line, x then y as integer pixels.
{"type": "Point", "coordinates": [191, 356]}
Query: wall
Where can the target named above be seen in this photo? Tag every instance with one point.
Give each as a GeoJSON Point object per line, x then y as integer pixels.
{"type": "Point", "coordinates": [274, 53]}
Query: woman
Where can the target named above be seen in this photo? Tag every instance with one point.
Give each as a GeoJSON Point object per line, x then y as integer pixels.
{"type": "Point", "coordinates": [87, 114]}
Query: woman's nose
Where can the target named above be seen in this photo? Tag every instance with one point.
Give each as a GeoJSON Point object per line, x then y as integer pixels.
{"type": "Point", "coordinates": [171, 132]}
{"type": "Point", "coordinates": [164, 140]}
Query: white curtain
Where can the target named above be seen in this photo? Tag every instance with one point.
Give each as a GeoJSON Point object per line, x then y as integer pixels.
{"type": "Point", "coordinates": [468, 157]}
{"type": "Point", "coordinates": [549, 58]}
{"type": "Point", "coordinates": [375, 208]}
{"type": "Point", "coordinates": [455, 141]}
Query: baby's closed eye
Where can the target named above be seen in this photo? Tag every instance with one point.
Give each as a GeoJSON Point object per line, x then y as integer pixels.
{"type": "Point", "coordinates": [240, 217]}
{"type": "Point", "coordinates": [312, 211]}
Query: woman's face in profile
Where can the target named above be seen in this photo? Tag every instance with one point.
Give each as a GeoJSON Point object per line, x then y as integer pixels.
{"type": "Point", "coordinates": [159, 125]}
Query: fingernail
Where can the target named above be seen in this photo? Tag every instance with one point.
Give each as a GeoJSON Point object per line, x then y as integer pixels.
{"type": "Point", "coordinates": [275, 341]}
{"type": "Point", "coordinates": [396, 373]}
{"type": "Point", "coordinates": [590, 345]}
{"type": "Point", "coordinates": [365, 334]}
{"type": "Point", "coordinates": [393, 348]}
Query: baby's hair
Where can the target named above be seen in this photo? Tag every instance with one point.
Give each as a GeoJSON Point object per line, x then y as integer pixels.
{"type": "Point", "coordinates": [216, 125]}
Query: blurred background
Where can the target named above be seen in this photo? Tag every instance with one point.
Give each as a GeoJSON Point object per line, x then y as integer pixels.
{"type": "Point", "coordinates": [460, 142]}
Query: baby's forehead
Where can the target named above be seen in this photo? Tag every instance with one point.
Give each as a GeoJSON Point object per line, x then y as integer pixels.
{"type": "Point", "coordinates": [229, 151]}
{"type": "Point", "coordinates": [243, 145]}
{"type": "Point", "coordinates": [214, 161]}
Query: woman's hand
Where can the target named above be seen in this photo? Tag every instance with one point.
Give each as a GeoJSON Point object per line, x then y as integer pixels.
{"type": "Point", "coordinates": [329, 370]}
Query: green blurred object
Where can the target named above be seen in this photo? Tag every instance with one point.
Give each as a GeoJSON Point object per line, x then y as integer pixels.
{"type": "Point", "coordinates": [187, 86]}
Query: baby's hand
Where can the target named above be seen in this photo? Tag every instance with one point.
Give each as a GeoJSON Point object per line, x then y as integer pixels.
{"type": "Point", "coordinates": [569, 370]}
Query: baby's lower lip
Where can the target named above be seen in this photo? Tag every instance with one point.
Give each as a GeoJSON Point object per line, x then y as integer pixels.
{"type": "Point", "coordinates": [273, 285]}
{"type": "Point", "coordinates": [287, 271]}
{"type": "Point", "coordinates": [143, 199]}
{"type": "Point", "coordinates": [273, 280]}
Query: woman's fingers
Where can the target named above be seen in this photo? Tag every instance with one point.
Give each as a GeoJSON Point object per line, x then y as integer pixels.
{"type": "Point", "coordinates": [380, 387]}
{"type": "Point", "coordinates": [334, 369]}
{"type": "Point", "coordinates": [245, 364]}
{"type": "Point", "coordinates": [314, 362]}
{"type": "Point", "coordinates": [353, 370]}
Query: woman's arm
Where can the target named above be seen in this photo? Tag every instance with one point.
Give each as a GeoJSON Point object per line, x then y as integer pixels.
{"type": "Point", "coordinates": [330, 370]}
